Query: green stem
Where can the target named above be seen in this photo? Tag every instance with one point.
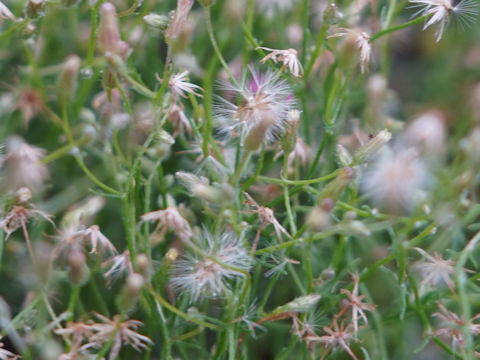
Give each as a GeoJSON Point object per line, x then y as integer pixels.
{"type": "Point", "coordinates": [240, 167]}
{"type": "Point", "coordinates": [284, 181]}
{"type": "Point", "coordinates": [180, 313]}
{"type": "Point", "coordinates": [316, 50]}
{"type": "Point", "coordinates": [396, 28]}
{"type": "Point", "coordinates": [211, 35]}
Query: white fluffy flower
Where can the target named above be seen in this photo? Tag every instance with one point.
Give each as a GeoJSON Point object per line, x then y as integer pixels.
{"type": "Point", "coordinates": [203, 276]}
{"type": "Point", "coordinates": [264, 102]}
{"type": "Point", "coordinates": [441, 11]}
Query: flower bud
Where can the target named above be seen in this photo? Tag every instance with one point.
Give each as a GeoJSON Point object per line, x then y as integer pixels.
{"type": "Point", "coordinates": [157, 21]}
{"type": "Point", "coordinates": [143, 265]}
{"type": "Point", "coordinates": [109, 34]}
{"type": "Point", "coordinates": [78, 272]}
{"type": "Point", "coordinates": [372, 147]}
{"type": "Point", "coordinates": [344, 157]}
{"type": "Point", "coordinates": [171, 255]}
{"type": "Point", "coordinates": [335, 188]}
{"type": "Point", "coordinates": [256, 135]}
{"type": "Point", "coordinates": [67, 81]}
{"type": "Point", "coordinates": [130, 293]}
{"type": "Point", "coordinates": [289, 139]}
{"type": "Point", "coordinates": [331, 14]}
{"type": "Point", "coordinates": [300, 304]}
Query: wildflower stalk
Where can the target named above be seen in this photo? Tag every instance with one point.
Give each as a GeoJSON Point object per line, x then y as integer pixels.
{"type": "Point", "coordinates": [288, 244]}
{"type": "Point", "coordinates": [211, 35]}
{"type": "Point", "coordinates": [258, 170]}
{"type": "Point", "coordinates": [284, 181]}
{"type": "Point", "coordinates": [286, 195]}
{"type": "Point", "coordinates": [180, 313]}
{"type": "Point", "coordinates": [248, 27]}
{"type": "Point", "coordinates": [461, 282]}
{"type": "Point", "coordinates": [64, 150]}
{"type": "Point", "coordinates": [384, 32]}
{"type": "Point", "coordinates": [316, 50]}
{"type": "Point", "coordinates": [93, 31]}
{"type": "Point", "coordinates": [240, 167]}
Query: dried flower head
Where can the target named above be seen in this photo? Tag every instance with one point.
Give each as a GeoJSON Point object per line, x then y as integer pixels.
{"type": "Point", "coordinates": [109, 38]}
{"type": "Point", "coordinates": [338, 336]}
{"type": "Point", "coordinates": [434, 270]}
{"type": "Point", "coordinates": [442, 11]}
{"type": "Point", "coordinates": [18, 217]}
{"type": "Point", "coordinates": [287, 57]}
{"type": "Point", "coordinates": [224, 258]}
{"type": "Point", "coordinates": [356, 304]}
{"type": "Point", "coordinates": [265, 100]}
{"type": "Point", "coordinates": [117, 266]}
{"type": "Point", "coordinates": [169, 219]}
{"type": "Point", "coordinates": [453, 326]}
{"type": "Point", "coordinates": [362, 41]}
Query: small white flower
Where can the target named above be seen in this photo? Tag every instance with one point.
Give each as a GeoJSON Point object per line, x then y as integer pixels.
{"type": "Point", "coordinates": [287, 57]}
{"type": "Point", "coordinates": [98, 240]}
{"type": "Point", "coordinates": [179, 85]}
{"type": "Point", "coordinates": [441, 11]}
{"type": "Point", "coordinates": [259, 115]}
{"type": "Point", "coordinates": [225, 258]}
{"type": "Point", "coordinates": [434, 270]}
{"type": "Point", "coordinates": [362, 41]}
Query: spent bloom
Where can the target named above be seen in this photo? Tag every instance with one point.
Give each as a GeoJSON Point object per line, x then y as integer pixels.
{"type": "Point", "coordinates": [264, 102]}
{"type": "Point", "coordinates": [356, 304]}
{"type": "Point", "coordinates": [441, 11]}
{"type": "Point", "coordinates": [169, 219]}
{"type": "Point", "coordinates": [337, 336]}
{"type": "Point", "coordinates": [224, 257]}
{"type": "Point", "coordinates": [453, 326]}
{"type": "Point", "coordinates": [287, 57]}
{"type": "Point", "coordinates": [435, 270]}
{"type": "Point", "coordinates": [361, 41]}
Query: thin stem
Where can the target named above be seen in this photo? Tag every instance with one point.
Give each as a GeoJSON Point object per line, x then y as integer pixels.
{"type": "Point", "coordinates": [211, 35]}
{"type": "Point", "coordinates": [240, 167]}
{"type": "Point", "coordinates": [180, 313]}
{"type": "Point", "coordinates": [396, 28]}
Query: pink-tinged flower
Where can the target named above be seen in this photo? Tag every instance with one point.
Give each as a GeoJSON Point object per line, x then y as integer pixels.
{"type": "Point", "coordinates": [5, 12]}
{"type": "Point", "coordinates": [22, 164]}
{"type": "Point", "coordinates": [18, 217]}
{"type": "Point", "coordinates": [120, 332]}
{"type": "Point", "coordinates": [117, 266]}
{"type": "Point", "coordinates": [264, 102]}
{"type": "Point", "coordinates": [178, 118]}
{"type": "Point", "coordinates": [109, 38]}
{"type": "Point", "coordinates": [224, 258]}
{"type": "Point", "coordinates": [169, 219]}
{"type": "Point", "coordinates": [338, 336]}
{"type": "Point", "coordinates": [356, 304]}
{"type": "Point", "coordinates": [362, 41]}
{"type": "Point", "coordinates": [98, 240]}
{"type": "Point", "coordinates": [442, 11]}
{"type": "Point", "coordinates": [179, 20]}
{"type": "Point", "coordinates": [180, 87]}
{"type": "Point", "coordinates": [435, 270]}
{"type": "Point", "coordinates": [74, 240]}
{"type": "Point", "coordinates": [453, 326]}
{"type": "Point", "coordinates": [266, 217]}
{"type": "Point", "coordinates": [287, 57]}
